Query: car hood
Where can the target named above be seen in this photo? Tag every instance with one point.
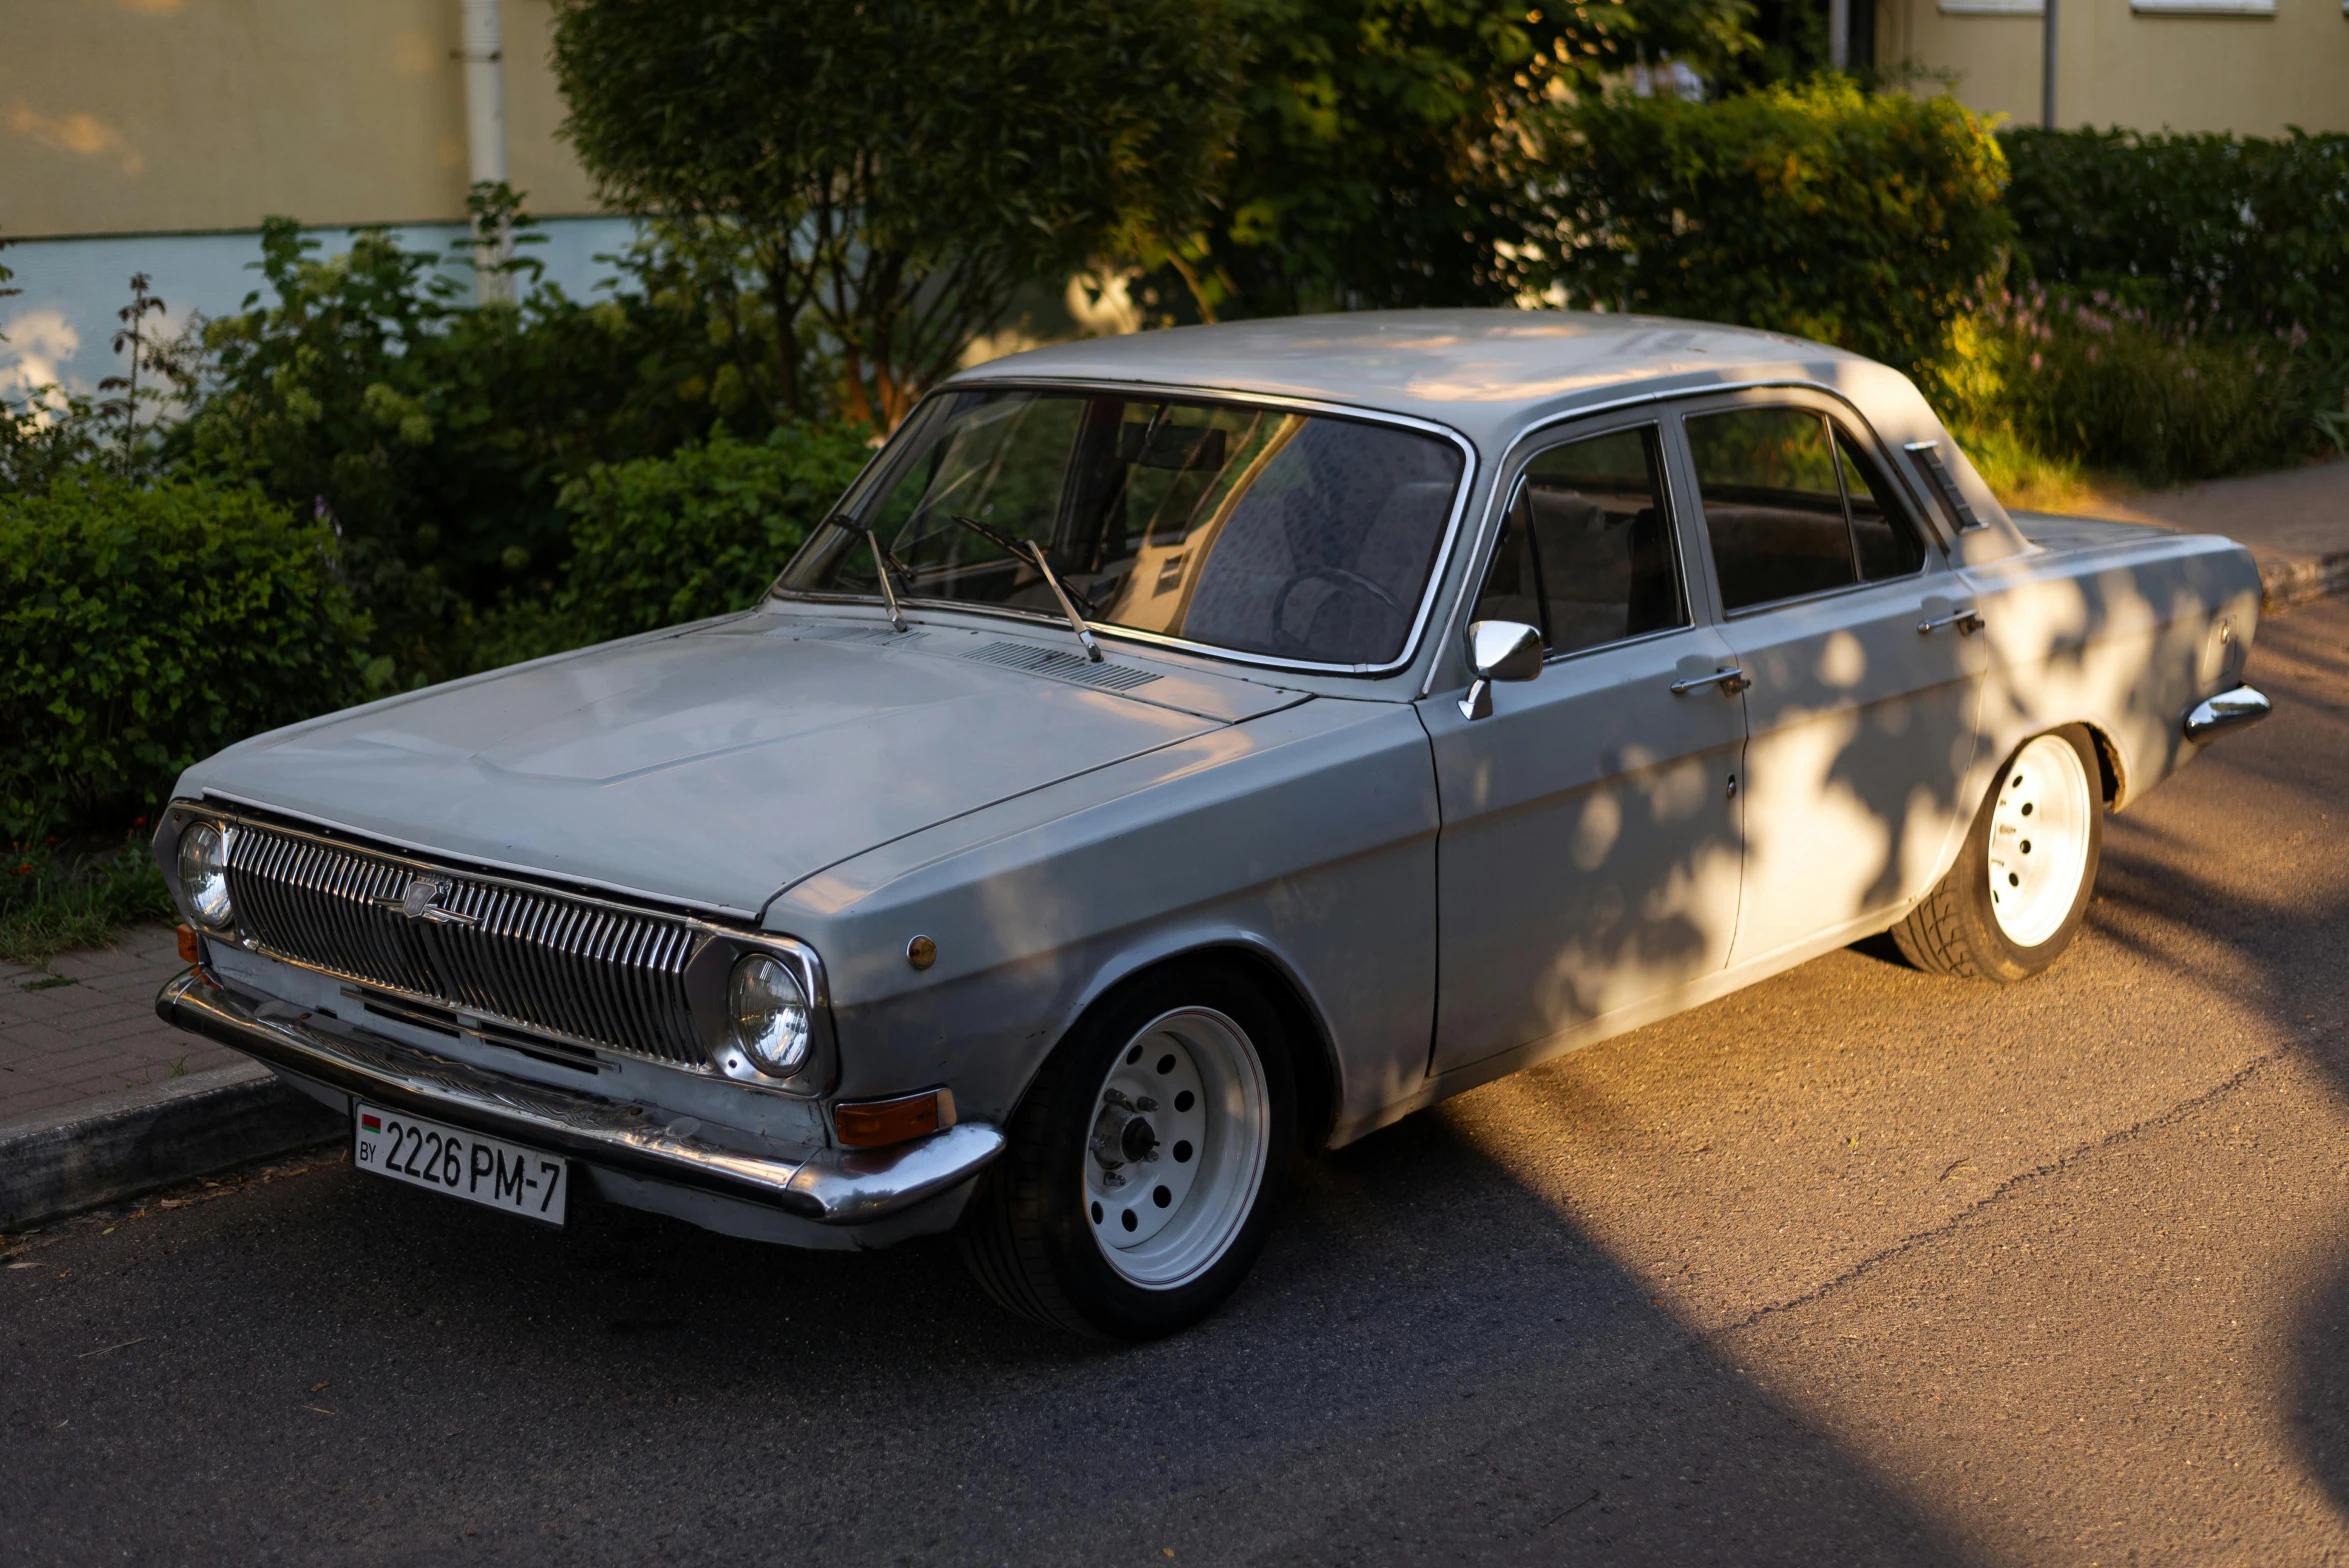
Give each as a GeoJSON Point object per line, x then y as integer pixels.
{"type": "Point", "coordinates": [717, 766]}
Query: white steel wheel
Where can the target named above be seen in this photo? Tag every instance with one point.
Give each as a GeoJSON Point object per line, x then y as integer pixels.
{"type": "Point", "coordinates": [1142, 1166]}
{"type": "Point", "coordinates": [1181, 1129]}
{"type": "Point", "coordinates": [2040, 831]}
{"type": "Point", "coordinates": [2014, 900]}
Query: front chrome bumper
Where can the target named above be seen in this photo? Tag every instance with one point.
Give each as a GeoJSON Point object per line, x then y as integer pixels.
{"type": "Point", "coordinates": [831, 1186]}
{"type": "Point", "coordinates": [2229, 710]}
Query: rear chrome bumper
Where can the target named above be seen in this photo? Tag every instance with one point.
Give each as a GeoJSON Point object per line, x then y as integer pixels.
{"type": "Point", "coordinates": [831, 1186]}
{"type": "Point", "coordinates": [2229, 710]}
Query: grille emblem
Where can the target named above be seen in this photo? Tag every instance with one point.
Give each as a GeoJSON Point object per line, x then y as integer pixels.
{"type": "Point", "coordinates": [421, 901]}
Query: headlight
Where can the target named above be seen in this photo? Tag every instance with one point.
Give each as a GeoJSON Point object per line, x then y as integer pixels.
{"type": "Point", "coordinates": [203, 874]}
{"type": "Point", "coordinates": [770, 1015]}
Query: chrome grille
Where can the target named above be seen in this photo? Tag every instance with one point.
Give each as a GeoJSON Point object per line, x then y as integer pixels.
{"type": "Point", "coordinates": [566, 966]}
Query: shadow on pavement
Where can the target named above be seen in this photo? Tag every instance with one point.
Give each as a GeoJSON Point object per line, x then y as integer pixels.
{"type": "Point", "coordinates": [1430, 1364]}
{"type": "Point", "coordinates": [2289, 938]}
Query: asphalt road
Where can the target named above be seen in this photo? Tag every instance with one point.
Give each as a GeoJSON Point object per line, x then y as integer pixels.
{"type": "Point", "coordinates": [1858, 1265]}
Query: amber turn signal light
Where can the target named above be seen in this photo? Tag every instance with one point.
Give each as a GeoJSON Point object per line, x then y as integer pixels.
{"type": "Point", "coordinates": [191, 948]}
{"type": "Point", "coordinates": [875, 1124]}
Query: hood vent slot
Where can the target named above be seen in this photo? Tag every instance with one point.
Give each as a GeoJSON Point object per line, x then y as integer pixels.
{"type": "Point", "coordinates": [1054, 664]}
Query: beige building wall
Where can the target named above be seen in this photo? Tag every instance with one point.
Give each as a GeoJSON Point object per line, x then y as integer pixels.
{"type": "Point", "coordinates": [2251, 75]}
{"type": "Point", "coordinates": [139, 116]}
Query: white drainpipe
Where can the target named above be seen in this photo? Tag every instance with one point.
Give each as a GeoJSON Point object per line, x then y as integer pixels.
{"type": "Point", "coordinates": [485, 131]}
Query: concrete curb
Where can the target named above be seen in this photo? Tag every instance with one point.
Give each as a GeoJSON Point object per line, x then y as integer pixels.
{"type": "Point", "coordinates": [2285, 584]}
{"type": "Point", "coordinates": [123, 1144]}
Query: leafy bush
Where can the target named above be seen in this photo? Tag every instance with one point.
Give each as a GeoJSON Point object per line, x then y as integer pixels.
{"type": "Point", "coordinates": [2113, 385]}
{"type": "Point", "coordinates": [703, 531]}
{"type": "Point", "coordinates": [1867, 221]}
{"type": "Point", "coordinates": [2209, 232]}
{"type": "Point", "coordinates": [662, 540]}
{"type": "Point", "coordinates": [2222, 245]}
{"type": "Point", "coordinates": [435, 436]}
{"type": "Point", "coordinates": [142, 628]}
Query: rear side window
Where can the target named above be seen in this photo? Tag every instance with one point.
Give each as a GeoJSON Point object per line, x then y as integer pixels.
{"type": "Point", "coordinates": [1585, 552]}
{"type": "Point", "coordinates": [1792, 507]}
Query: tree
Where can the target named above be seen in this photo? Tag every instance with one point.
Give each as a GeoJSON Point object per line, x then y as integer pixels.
{"type": "Point", "coordinates": [891, 171]}
{"type": "Point", "coordinates": [1375, 165]}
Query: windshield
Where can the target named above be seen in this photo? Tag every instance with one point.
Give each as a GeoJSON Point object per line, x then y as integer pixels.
{"type": "Point", "coordinates": [1260, 530]}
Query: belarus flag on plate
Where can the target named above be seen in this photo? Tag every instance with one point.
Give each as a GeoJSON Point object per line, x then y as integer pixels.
{"type": "Point", "coordinates": [371, 1123]}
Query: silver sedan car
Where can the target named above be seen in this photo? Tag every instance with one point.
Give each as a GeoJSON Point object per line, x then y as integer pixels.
{"type": "Point", "coordinates": [1180, 751]}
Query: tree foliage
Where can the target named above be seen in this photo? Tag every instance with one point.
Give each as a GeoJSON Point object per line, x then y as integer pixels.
{"type": "Point", "coordinates": [891, 171]}
{"type": "Point", "coordinates": [1374, 163]}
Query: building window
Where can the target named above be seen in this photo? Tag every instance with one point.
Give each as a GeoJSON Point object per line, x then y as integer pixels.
{"type": "Point", "coordinates": [2205, 7]}
{"type": "Point", "coordinates": [1996, 7]}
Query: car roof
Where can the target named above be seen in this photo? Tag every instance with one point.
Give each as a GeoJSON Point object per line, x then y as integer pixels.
{"type": "Point", "coordinates": [1484, 372]}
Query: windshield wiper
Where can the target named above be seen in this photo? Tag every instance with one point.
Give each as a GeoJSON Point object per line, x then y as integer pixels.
{"type": "Point", "coordinates": [1035, 553]}
{"type": "Point", "coordinates": [882, 561]}
{"type": "Point", "coordinates": [989, 532]}
{"type": "Point", "coordinates": [1076, 622]}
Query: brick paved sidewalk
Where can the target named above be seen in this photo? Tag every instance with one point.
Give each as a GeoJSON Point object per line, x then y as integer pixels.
{"type": "Point", "coordinates": [64, 1044]}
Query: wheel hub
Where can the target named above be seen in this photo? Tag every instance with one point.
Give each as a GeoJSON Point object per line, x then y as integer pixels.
{"type": "Point", "coordinates": [1123, 1134]}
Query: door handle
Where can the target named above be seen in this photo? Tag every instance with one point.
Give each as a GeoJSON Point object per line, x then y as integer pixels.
{"type": "Point", "coordinates": [1966, 621]}
{"type": "Point", "coordinates": [1731, 681]}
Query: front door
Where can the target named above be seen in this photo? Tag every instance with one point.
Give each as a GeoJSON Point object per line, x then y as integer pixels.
{"type": "Point", "coordinates": [1865, 680]}
{"type": "Point", "coordinates": [1590, 851]}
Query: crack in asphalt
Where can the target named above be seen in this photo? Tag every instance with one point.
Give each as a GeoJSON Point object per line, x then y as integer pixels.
{"type": "Point", "coordinates": [1907, 1244]}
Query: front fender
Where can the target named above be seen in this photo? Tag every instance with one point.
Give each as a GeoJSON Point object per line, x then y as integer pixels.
{"type": "Point", "coordinates": [1306, 837]}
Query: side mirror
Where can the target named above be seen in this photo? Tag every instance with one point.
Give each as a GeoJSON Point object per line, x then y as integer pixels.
{"type": "Point", "coordinates": [1499, 651]}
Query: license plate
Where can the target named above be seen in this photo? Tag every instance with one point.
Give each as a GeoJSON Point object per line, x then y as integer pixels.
{"type": "Point", "coordinates": [450, 1159]}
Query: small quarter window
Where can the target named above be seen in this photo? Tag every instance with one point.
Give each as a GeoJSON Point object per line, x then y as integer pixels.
{"type": "Point", "coordinates": [1585, 552]}
{"type": "Point", "coordinates": [1887, 543]}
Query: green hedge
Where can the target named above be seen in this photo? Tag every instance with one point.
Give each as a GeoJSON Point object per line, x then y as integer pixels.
{"type": "Point", "coordinates": [663, 540]}
{"type": "Point", "coordinates": [701, 531]}
{"type": "Point", "coordinates": [1870, 221]}
{"type": "Point", "coordinates": [2235, 234]}
{"type": "Point", "coordinates": [145, 627]}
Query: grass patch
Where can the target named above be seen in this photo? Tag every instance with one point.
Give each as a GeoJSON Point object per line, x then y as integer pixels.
{"type": "Point", "coordinates": [52, 899]}
{"type": "Point", "coordinates": [2026, 478]}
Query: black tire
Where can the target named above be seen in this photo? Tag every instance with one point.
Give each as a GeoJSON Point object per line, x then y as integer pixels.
{"type": "Point", "coordinates": [1956, 929]}
{"type": "Point", "coordinates": [1028, 1237]}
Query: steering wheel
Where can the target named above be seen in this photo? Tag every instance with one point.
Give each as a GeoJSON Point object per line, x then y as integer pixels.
{"type": "Point", "coordinates": [1344, 579]}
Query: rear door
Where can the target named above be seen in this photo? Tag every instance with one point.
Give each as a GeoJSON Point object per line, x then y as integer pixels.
{"type": "Point", "coordinates": [1853, 630]}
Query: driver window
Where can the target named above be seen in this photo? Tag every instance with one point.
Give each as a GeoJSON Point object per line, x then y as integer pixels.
{"type": "Point", "coordinates": [1585, 552]}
